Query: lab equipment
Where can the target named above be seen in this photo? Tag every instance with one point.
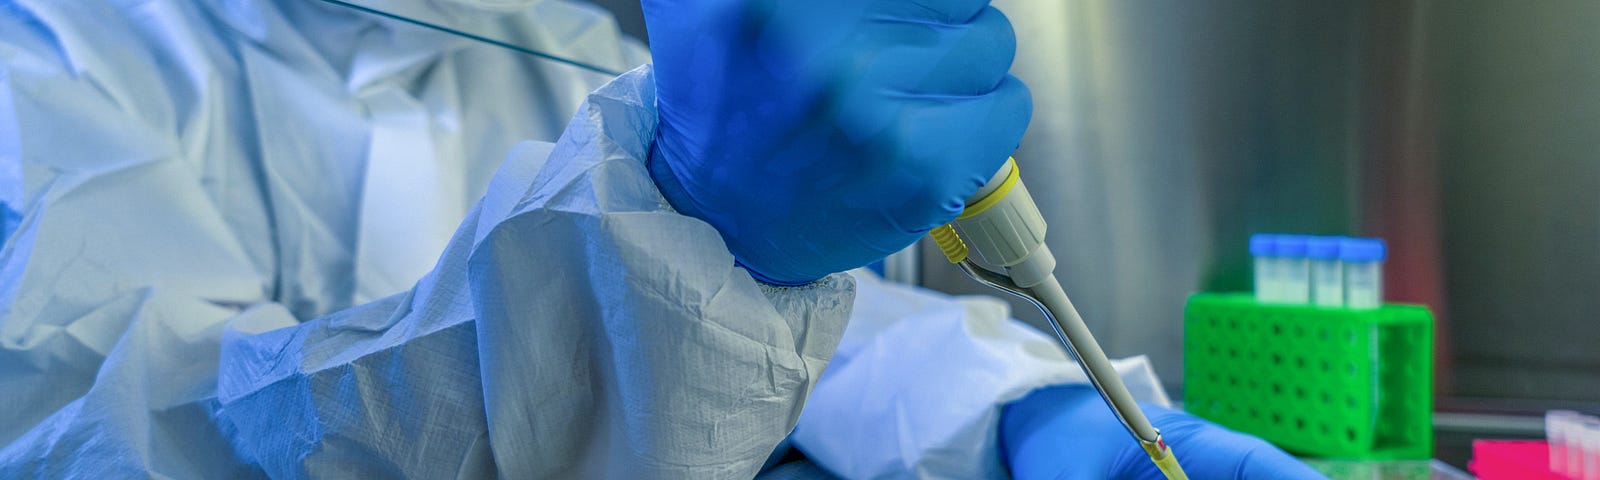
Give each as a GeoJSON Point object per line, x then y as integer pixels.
{"type": "Point", "coordinates": [773, 158]}
{"type": "Point", "coordinates": [1512, 460]}
{"type": "Point", "coordinates": [1327, 272]}
{"type": "Point", "coordinates": [1574, 444]}
{"type": "Point", "coordinates": [1558, 429]}
{"type": "Point", "coordinates": [1006, 234]}
{"type": "Point", "coordinates": [1039, 428]}
{"type": "Point", "coordinates": [1294, 270]}
{"type": "Point", "coordinates": [1317, 381]}
{"type": "Point", "coordinates": [1363, 271]}
{"type": "Point", "coordinates": [1264, 256]}
{"type": "Point", "coordinates": [1575, 448]}
{"type": "Point", "coordinates": [1589, 434]}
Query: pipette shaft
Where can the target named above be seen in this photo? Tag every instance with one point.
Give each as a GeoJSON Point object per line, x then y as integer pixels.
{"type": "Point", "coordinates": [1006, 232]}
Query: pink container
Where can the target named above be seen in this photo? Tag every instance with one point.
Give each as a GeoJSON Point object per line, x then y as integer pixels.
{"type": "Point", "coordinates": [1511, 460]}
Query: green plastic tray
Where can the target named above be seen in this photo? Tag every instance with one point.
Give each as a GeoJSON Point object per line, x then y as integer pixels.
{"type": "Point", "coordinates": [1315, 381]}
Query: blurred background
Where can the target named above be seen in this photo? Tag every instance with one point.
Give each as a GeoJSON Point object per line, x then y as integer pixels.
{"type": "Point", "coordinates": [1465, 133]}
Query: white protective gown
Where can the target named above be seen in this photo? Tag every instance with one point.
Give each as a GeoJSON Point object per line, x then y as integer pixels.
{"type": "Point", "coordinates": [187, 183]}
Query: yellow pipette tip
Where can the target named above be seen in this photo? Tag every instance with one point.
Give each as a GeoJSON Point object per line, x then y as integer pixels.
{"type": "Point", "coordinates": [1165, 461]}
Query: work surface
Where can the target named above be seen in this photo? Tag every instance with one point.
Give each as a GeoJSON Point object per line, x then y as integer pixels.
{"type": "Point", "coordinates": [1388, 469]}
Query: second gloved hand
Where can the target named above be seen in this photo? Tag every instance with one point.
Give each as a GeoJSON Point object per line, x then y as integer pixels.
{"type": "Point", "coordinates": [1067, 432]}
{"type": "Point", "coordinates": [821, 135]}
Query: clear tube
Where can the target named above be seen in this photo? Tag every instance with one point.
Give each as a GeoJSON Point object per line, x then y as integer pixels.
{"type": "Point", "coordinates": [1264, 280]}
{"type": "Point", "coordinates": [1589, 432]}
{"type": "Point", "coordinates": [1363, 285]}
{"type": "Point", "coordinates": [1556, 424]}
{"type": "Point", "coordinates": [1327, 283]}
{"type": "Point", "coordinates": [1572, 430]}
{"type": "Point", "coordinates": [1294, 277]}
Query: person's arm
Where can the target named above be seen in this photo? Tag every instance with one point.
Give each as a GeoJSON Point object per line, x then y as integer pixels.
{"type": "Point", "coordinates": [136, 338]}
{"type": "Point", "coordinates": [575, 326]}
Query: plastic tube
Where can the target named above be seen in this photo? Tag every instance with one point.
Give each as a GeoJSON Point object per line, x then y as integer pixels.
{"type": "Point", "coordinates": [1327, 272]}
{"type": "Point", "coordinates": [1589, 432]}
{"type": "Point", "coordinates": [1363, 271]}
{"type": "Point", "coordinates": [1556, 426]}
{"type": "Point", "coordinates": [1572, 429]}
{"type": "Point", "coordinates": [1264, 253]}
{"type": "Point", "coordinates": [1294, 270]}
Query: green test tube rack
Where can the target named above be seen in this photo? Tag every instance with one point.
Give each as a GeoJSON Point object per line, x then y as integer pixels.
{"type": "Point", "coordinates": [1325, 382]}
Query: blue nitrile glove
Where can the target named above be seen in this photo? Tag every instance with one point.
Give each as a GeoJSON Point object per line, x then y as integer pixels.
{"type": "Point", "coordinates": [820, 135]}
{"type": "Point", "coordinates": [1067, 432]}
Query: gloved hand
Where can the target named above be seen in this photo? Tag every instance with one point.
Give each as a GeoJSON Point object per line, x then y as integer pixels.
{"type": "Point", "coordinates": [1066, 432]}
{"type": "Point", "coordinates": [821, 135]}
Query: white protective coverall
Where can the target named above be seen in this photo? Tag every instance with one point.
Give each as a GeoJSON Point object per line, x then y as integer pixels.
{"type": "Point", "coordinates": [220, 213]}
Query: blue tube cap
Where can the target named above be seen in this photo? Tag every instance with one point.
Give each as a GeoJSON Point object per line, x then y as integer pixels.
{"type": "Point", "coordinates": [1363, 250]}
{"type": "Point", "coordinates": [1323, 248]}
{"type": "Point", "coordinates": [1292, 246]}
{"type": "Point", "coordinates": [1264, 245]}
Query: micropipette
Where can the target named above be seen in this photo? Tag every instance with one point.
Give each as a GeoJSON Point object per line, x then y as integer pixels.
{"type": "Point", "coordinates": [1005, 232]}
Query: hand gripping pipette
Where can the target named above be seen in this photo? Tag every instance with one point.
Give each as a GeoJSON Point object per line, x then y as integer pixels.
{"type": "Point", "coordinates": [1004, 231]}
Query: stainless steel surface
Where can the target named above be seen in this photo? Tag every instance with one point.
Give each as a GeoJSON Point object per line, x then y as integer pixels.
{"type": "Point", "coordinates": [1519, 140]}
{"type": "Point", "coordinates": [1489, 425]}
{"type": "Point", "coordinates": [1467, 133]}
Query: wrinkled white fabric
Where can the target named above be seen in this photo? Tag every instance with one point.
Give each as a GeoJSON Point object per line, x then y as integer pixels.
{"type": "Point", "coordinates": [180, 168]}
{"type": "Point", "coordinates": [181, 184]}
{"type": "Point", "coordinates": [916, 386]}
{"type": "Point", "coordinates": [578, 330]}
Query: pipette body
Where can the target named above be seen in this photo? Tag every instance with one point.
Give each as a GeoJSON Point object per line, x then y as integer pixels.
{"type": "Point", "coordinates": [998, 240]}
